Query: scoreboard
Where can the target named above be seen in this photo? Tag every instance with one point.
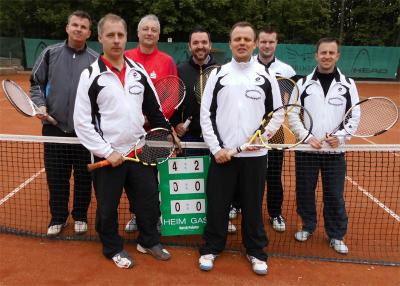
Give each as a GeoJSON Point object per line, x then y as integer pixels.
{"type": "Point", "coordinates": [182, 185]}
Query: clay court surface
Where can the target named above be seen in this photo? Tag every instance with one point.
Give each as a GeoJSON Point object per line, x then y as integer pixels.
{"type": "Point", "coordinates": [30, 261]}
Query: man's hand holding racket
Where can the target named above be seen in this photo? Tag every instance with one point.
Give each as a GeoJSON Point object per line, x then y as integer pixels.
{"type": "Point", "coordinates": [43, 115]}
{"type": "Point", "coordinates": [181, 129]}
{"type": "Point", "coordinates": [157, 145]}
{"type": "Point", "coordinates": [23, 104]}
{"type": "Point", "coordinates": [115, 159]}
{"type": "Point", "coordinates": [331, 140]}
{"type": "Point", "coordinates": [222, 156]}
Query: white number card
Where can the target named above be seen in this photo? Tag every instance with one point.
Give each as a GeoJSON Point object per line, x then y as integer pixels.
{"type": "Point", "coordinates": [187, 206]}
{"type": "Point", "coordinates": [189, 165]}
{"type": "Point", "coordinates": [188, 186]}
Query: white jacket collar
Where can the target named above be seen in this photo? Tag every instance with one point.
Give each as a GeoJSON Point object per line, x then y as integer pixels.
{"type": "Point", "coordinates": [242, 65]}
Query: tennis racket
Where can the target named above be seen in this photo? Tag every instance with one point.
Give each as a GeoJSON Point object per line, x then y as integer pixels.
{"type": "Point", "coordinates": [21, 101]}
{"type": "Point", "coordinates": [157, 143]}
{"type": "Point", "coordinates": [187, 122]}
{"type": "Point", "coordinates": [367, 118]}
{"type": "Point", "coordinates": [171, 92]}
{"type": "Point", "coordinates": [289, 90]}
{"type": "Point", "coordinates": [200, 83]}
{"type": "Point", "coordinates": [285, 138]}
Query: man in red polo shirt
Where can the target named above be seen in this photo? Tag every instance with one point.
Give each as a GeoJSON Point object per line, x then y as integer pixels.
{"type": "Point", "coordinates": [157, 63]}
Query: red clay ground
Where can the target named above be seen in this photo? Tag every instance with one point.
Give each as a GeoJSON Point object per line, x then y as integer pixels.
{"type": "Point", "coordinates": [25, 261]}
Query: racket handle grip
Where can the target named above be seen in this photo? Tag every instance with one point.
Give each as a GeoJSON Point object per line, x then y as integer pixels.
{"type": "Point", "coordinates": [187, 122]}
{"type": "Point", "coordinates": [97, 165]}
{"type": "Point", "coordinates": [238, 150]}
{"type": "Point", "coordinates": [233, 152]}
{"type": "Point", "coordinates": [51, 120]}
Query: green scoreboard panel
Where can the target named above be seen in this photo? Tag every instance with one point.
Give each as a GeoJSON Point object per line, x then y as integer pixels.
{"type": "Point", "coordinates": [182, 195]}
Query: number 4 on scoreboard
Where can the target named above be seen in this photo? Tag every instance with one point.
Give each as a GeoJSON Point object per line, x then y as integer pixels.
{"type": "Point", "coordinates": [189, 165]}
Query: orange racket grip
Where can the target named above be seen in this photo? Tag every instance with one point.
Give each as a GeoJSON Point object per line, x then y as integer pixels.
{"type": "Point", "coordinates": [97, 165]}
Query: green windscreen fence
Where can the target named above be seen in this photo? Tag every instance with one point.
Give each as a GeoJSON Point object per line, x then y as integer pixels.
{"type": "Point", "coordinates": [11, 48]}
{"type": "Point", "coordinates": [355, 61]}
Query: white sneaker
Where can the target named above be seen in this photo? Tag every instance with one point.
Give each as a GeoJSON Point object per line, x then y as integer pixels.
{"type": "Point", "coordinates": [338, 246]}
{"type": "Point", "coordinates": [80, 227]}
{"type": "Point", "coordinates": [55, 229]}
{"type": "Point", "coordinates": [231, 227]}
{"type": "Point", "coordinates": [233, 213]}
{"type": "Point", "coordinates": [302, 235]}
{"type": "Point", "coordinates": [259, 267]}
{"type": "Point", "coordinates": [278, 223]}
{"type": "Point", "coordinates": [123, 260]}
{"type": "Point", "coordinates": [131, 225]}
{"type": "Point", "coordinates": [206, 262]}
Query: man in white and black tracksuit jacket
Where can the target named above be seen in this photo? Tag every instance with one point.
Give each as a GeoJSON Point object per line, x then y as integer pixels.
{"type": "Point", "coordinates": [275, 157]}
{"type": "Point", "coordinates": [267, 42]}
{"type": "Point", "coordinates": [327, 94]}
{"type": "Point", "coordinates": [236, 98]}
{"type": "Point", "coordinates": [110, 106]}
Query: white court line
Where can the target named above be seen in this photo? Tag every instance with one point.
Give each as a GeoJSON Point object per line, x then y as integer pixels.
{"type": "Point", "coordinates": [17, 189]}
{"type": "Point", "coordinates": [375, 200]}
{"type": "Point", "coordinates": [369, 141]}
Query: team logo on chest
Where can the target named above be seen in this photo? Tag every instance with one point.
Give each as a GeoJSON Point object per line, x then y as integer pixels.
{"type": "Point", "coordinates": [253, 94]}
{"type": "Point", "coordinates": [136, 89]}
{"type": "Point", "coordinates": [336, 101]}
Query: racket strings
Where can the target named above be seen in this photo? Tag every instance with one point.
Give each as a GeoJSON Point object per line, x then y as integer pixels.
{"type": "Point", "coordinates": [377, 115]}
{"type": "Point", "coordinates": [295, 118]}
{"type": "Point", "coordinates": [18, 98]}
{"type": "Point", "coordinates": [158, 143]}
{"type": "Point", "coordinates": [202, 81]}
{"type": "Point", "coordinates": [171, 92]}
{"type": "Point", "coordinates": [288, 90]}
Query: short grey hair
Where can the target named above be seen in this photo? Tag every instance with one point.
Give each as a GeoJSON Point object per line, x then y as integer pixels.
{"type": "Point", "coordinates": [150, 17]}
{"type": "Point", "coordinates": [112, 18]}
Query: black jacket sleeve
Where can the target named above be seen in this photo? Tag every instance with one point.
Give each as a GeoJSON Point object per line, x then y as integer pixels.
{"type": "Point", "coordinates": [152, 109]}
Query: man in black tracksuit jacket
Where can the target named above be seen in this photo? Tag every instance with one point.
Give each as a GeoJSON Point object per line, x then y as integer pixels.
{"type": "Point", "coordinates": [189, 72]}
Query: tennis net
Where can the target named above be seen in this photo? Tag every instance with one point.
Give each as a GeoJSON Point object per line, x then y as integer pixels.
{"type": "Point", "coordinates": [372, 185]}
